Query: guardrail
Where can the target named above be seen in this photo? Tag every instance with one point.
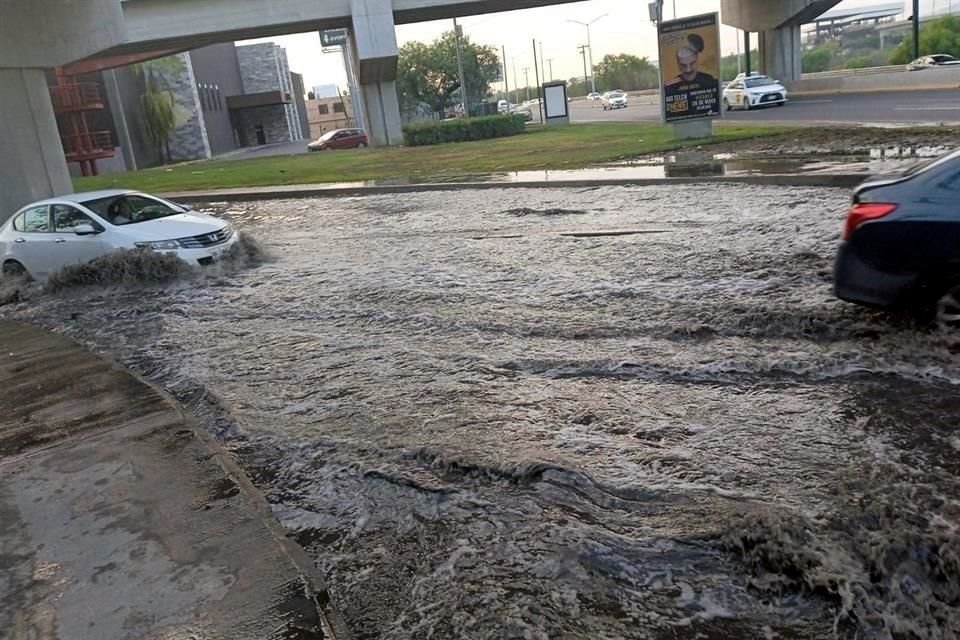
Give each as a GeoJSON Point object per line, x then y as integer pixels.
{"type": "Point", "coordinates": [841, 73]}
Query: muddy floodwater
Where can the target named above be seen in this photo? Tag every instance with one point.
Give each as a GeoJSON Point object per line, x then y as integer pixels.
{"type": "Point", "coordinates": [604, 413]}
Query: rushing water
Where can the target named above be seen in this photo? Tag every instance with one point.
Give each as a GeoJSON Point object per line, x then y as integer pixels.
{"type": "Point", "coordinates": [608, 413]}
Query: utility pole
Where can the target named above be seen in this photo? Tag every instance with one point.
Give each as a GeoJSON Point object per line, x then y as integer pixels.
{"type": "Point", "coordinates": [583, 52]}
{"type": "Point", "coordinates": [593, 80]}
{"type": "Point", "coordinates": [458, 32]}
{"type": "Point", "coordinates": [916, 29]}
{"type": "Point", "coordinates": [739, 59]}
{"type": "Point", "coordinates": [550, 64]}
{"type": "Point", "coordinates": [516, 79]}
{"type": "Point", "coordinates": [543, 63]}
{"type": "Point", "coordinates": [536, 74]}
{"type": "Point", "coordinates": [526, 81]}
{"type": "Point", "coordinates": [506, 77]}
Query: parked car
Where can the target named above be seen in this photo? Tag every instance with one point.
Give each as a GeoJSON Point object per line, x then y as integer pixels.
{"type": "Point", "coordinates": [523, 110]}
{"type": "Point", "coordinates": [901, 241]}
{"type": "Point", "coordinates": [594, 96]}
{"type": "Point", "coordinates": [50, 234]}
{"type": "Point", "coordinates": [756, 90]}
{"type": "Point", "coordinates": [614, 100]}
{"type": "Point", "coordinates": [340, 139]}
{"type": "Point", "coordinates": [504, 107]}
{"type": "Point", "coordinates": [934, 60]}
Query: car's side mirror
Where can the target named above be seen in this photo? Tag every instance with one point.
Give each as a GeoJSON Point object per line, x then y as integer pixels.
{"type": "Point", "coordinates": [85, 230]}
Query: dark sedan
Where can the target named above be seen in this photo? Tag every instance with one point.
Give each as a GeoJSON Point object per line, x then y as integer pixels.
{"type": "Point", "coordinates": [901, 245]}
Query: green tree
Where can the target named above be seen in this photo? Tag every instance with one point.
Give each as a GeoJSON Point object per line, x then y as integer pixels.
{"type": "Point", "coordinates": [626, 72]}
{"type": "Point", "coordinates": [158, 102]}
{"type": "Point", "coordinates": [578, 87]}
{"type": "Point", "coordinates": [940, 36]}
{"type": "Point", "coordinates": [819, 58]}
{"type": "Point", "coordinates": [427, 73]}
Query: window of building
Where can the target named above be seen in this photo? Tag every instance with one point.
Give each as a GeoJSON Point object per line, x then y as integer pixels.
{"type": "Point", "coordinates": [338, 107]}
{"type": "Point", "coordinates": [216, 89]}
{"type": "Point", "coordinates": [323, 109]}
{"type": "Point", "coordinates": [201, 91]}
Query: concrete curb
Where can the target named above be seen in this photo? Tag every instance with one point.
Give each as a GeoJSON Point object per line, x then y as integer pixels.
{"type": "Point", "coordinates": [838, 180]}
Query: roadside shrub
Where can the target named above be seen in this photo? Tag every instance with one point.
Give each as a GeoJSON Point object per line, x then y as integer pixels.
{"type": "Point", "coordinates": [419, 134]}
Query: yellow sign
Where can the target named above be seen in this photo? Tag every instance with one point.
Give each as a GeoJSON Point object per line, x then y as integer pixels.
{"type": "Point", "coordinates": [690, 67]}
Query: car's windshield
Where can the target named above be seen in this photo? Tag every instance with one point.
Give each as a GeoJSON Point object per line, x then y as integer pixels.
{"type": "Point", "coordinates": [943, 58]}
{"type": "Point", "coordinates": [130, 209]}
{"type": "Point", "coordinates": [616, 94]}
{"type": "Point", "coordinates": [923, 165]}
{"type": "Point", "coordinates": [758, 81]}
{"type": "Point", "coordinates": [328, 135]}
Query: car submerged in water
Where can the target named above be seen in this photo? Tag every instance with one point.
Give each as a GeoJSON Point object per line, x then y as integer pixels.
{"type": "Point", "coordinates": [901, 242]}
{"type": "Point", "coordinates": [48, 235]}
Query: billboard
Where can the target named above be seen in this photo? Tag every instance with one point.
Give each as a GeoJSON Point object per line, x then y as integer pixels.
{"type": "Point", "coordinates": [690, 67]}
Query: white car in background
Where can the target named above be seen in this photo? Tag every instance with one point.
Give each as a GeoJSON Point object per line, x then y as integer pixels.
{"type": "Point", "coordinates": [614, 100]}
{"type": "Point", "coordinates": [48, 235]}
{"type": "Point", "coordinates": [594, 96]}
{"type": "Point", "coordinates": [752, 91]}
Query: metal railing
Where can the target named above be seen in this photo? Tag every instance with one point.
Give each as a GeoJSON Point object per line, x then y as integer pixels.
{"type": "Point", "coordinates": [80, 96]}
{"type": "Point", "coordinates": [92, 143]}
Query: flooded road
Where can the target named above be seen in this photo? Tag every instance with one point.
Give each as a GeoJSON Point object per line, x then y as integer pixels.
{"type": "Point", "coordinates": [609, 413]}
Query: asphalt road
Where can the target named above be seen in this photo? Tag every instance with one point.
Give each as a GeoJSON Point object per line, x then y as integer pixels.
{"type": "Point", "coordinates": [942, 105]}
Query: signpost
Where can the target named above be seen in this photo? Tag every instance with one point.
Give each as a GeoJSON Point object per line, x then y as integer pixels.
{"type": "Point", "coordinates": [690, 72]}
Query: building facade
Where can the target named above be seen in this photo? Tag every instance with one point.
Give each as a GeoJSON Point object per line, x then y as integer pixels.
{"type": "Point", "coordinates": [329, 114]}
{"type": "Point", "coordinates": [224, 97]}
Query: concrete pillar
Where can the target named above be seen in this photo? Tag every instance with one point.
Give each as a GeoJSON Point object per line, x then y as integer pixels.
{"type": "Point", "coordinates": [375, 39]}
{"type": "Point", "coordinates": [780, 53]}
{"type": "Point", "coordinates": [34, 167]}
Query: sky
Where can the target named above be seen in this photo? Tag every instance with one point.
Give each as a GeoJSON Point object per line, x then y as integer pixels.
{"type": "Point", "coordinates": [623, 28]}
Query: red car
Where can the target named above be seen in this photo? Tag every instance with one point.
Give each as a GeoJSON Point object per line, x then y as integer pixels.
{"type": "Point", "coordinates": [340, 139]}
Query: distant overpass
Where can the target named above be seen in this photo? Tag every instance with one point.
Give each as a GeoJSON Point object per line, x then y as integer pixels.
{"type": "Point", "coordinates": [39, 34]}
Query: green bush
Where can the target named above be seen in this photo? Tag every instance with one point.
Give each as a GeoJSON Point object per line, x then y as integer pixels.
{"type": "Point", "coordinates": [860, 62]}
{"type": "Point", "coordinates": [419, 134]}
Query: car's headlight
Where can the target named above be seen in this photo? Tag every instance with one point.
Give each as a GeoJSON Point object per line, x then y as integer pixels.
{"type": "Point", "coordinates": [163, 245]}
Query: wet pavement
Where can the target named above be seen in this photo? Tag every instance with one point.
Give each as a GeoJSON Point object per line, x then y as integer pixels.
{"type": "Point", "coordinates": [605, 413]}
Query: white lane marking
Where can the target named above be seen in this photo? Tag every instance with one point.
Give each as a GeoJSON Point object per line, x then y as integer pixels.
{"type": "Point", "coordinates": [934, 108]}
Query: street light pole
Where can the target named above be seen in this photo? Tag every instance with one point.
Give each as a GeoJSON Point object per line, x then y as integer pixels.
{"type": "Point", "coordinates": [506, 76]}
{"type": "Point", "coordinates": [526, 81]}
{"type": "Point", "coordinates": [550, 64]}
{"type": "Point", "coordinates": [593, 80]}
{"type": "Point", "coordinates": [916, 29]}
{"type": "Point", "coordinates": [583, 52]}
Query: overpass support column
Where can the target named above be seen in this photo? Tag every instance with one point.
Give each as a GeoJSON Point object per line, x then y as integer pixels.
{"type": "Point", "coordinates": [780, 53]}
{"type": "Point", "coordinates": [375, 39]}
{"type": "Point", "coordinates": [33, 167]}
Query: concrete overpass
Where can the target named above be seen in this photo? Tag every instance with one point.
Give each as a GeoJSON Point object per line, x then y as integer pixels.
{"type": "Point", "coordinates": [41, 34]}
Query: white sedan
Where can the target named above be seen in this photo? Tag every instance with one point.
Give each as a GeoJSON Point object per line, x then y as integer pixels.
{"type": "Point", "coordinates": [48, 235]}
{"type": "Point", "coordinates": [755, 90]}
{"type": "Point", "coordinates": [614, 100]}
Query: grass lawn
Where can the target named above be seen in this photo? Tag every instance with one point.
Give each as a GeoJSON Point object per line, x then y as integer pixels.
{"type": "Point", "coordinates": [570, 147]}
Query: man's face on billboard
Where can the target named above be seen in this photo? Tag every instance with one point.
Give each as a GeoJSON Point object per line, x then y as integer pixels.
{"type": "Point", "coordinates": [687, 61]}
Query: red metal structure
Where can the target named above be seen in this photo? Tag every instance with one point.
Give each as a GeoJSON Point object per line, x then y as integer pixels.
{"type": "Point", "coordinates": [71, 102]}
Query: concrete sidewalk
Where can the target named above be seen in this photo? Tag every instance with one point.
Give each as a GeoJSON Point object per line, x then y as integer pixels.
{"type": "Point", "coordinates": [121, 519]}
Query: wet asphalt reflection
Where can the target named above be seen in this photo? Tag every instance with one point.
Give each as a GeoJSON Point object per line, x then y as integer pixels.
{"type": "Point", "coordinates": [609, 413]}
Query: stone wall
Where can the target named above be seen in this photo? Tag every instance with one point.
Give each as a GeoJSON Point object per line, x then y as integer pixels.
{"type": "Point", "coordinates": [189, 141]}
{"type": "Point", "coordinates": [273, 119]}
{"type": "Point", "coordinates": [264, 67]}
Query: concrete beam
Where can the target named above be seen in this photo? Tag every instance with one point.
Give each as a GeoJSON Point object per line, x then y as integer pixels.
{"type": "Point", "coordinates": [766, 15]}
{"type": "Point", "coordinates": [48, 33]}
{"type": "Point", "coordinates": [174, 24]}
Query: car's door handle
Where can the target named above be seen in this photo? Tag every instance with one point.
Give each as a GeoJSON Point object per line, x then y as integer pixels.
{"type": "Point", "coordinates": [20, 240]}
{"type": "Point", "coordinates": [59, 240]}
